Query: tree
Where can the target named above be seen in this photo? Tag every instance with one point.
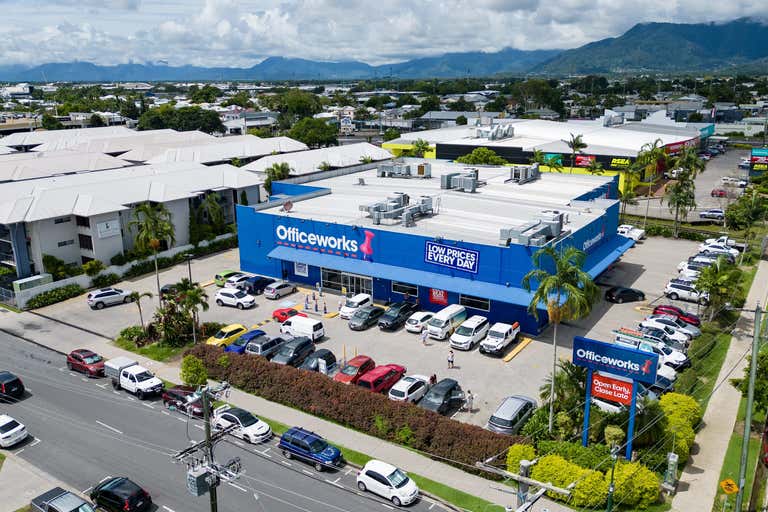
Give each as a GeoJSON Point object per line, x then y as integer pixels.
{"type": "Point", "coordinates": [153, 224]}
{"type": "Point", "coordinates": [236, 162]}
{"type": "Point", "coordinates": [51, 123]}
{"type": "Point", "coordinates": [569, 387]}
{"type": "Point", "coordinates": [212, 212]}
{"type": "Point", "coordinates": [241, 99]}
{"type": "Point", "coordinates": [747, 210]}
{"type": "Point", "coordinates": [93, 267]}
{"type": "Point", "coordinates": [681, 200]}
{"type": "Point", "coordinates": [595, 167]}
{"type": "Point", "coordinates": [553, 162]}
{"type": "Point", "coordinates": [206, 94]}
{"type": "Point", "coordinates": [298, 104]}
{"type": "Point", "coordinates": [276, 172]}
{"type": "Point", "coordinates": [651, 157]}
{"type": "Point", "coordinates": [627, 197]}
{"type": "Point", "coordinates": [314, 133]}
{"type": "Point", "coordinates": [576, 145]}
{"type": "Point", "coordinates": [193, 371]}
{"type": "Point", "coordinates": [567, 292]}
{"type": "Point", "coordinates": [96, 121]}
{"type": "Point", "coordinates": [264, 133]}
{"type": "Point", "coordinates": [391, 134]}
{"type": "Point", "coordinates": [191, 297]}
{"type": "Point", "coordinates": [365, 159]}
{"type": "Point", "coordinates": [136, 297]}
{"type": "Point", "coordinates": [129, 109]}
{"type": "Point", "coordinates": [420, 147]}
{"type": "Point", "coordinates": [461, 120]}
{"type": "Point", "coordinates": [481, 156]}
{"type": "Point", "coordinates": [461, 105]}
{"type": "Point", "coordinates": [244, 197]}
{"type": "Point", "coordinates": [182, 119]}
{"type": "Point", "coordinates": [721, 281]}
{"type": "Point", "coordinates": [761, 382]}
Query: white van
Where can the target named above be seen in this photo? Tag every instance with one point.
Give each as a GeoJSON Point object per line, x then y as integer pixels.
{"type": "Point", "coordinates": [302, 326]}
{"type": "Point", "coordinates": [470, 333]}
{"type": "Point", "coordinates": [352, 304]}
{"type": "Point", "coordinates": [446, 321]}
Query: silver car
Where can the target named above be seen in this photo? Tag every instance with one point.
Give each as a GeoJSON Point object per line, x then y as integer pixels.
{"type": "Point", "coordinates": [511, 415]}
{"type": "Point", "coordinates": [107, 297]}
{"type": "Point", "coordinates": [279, 289]}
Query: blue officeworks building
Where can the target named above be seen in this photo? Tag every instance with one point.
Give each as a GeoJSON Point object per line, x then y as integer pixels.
{"type": "Point", "coordinates": [440, 235]}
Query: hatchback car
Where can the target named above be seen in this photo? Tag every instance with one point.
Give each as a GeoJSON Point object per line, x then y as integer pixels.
{"type": "Point", "coordinates": [620, 294]}
{"type": "Point", "coordinates": [679, 313]}
{"type": "Point", "coordinates": [511, 415]}
{"type": "Point", "coordinates": [11, 431]}
{"type": "Point", "coordinates": [442, 396]}
{"type": "Point", "coordinates": [279, 289]}
{"type": "Point", "coordinates": [381, 378]}
{"type": "Point", "coordinates": [365, 317]}
{"type": "Point", "coordinates": [319, 359]}
{"type": "Point", "coordinates": [221, 278]}
{"type": "Point", "coordinates": [719, 192]}
{"type": "Point", "coordinates": [226, 335]}
{"type": "Point", "coordinates": [238, 346]}
{"type": "Point", "coordinates": [409, 389]}
{"type": "Point", "coordinates": [86, 361]}
{"type": "Point", "coordinates": [356, 367]}
{"type": "Point", "coordinates": [247, 427]}
{"type": "Point", "coordinates": [418, 321]}
{"type": "Point", "coordinates": [235, 298]}
{"type": "Point", "coordinates": [388, 482]}
{"type": "Point", "coordinates": [712, 214]}
{"type": "Point", "coordinates": [310, 447]}
{"type": "Point", "coordinates": [11, 387]}
{"type": "Point", "coordinates": [184, 400]}
{"type": "Point", "coordinates": [396, 315]}
{"type": "Point", "coordinates": [294, 352]}
{"type": "Point", "coordinates": [283, 314]}
{"type": "Point", "coordinates": [119, 494]}
{"type": "Point", "coordinates": [98, 299]}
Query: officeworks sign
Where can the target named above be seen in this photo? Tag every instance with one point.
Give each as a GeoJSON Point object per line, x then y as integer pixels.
{"type": "Point", "coordinates": [609, 358]}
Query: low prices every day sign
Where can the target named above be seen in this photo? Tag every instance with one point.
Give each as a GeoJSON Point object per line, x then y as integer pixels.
{"type": "Point", "coordinates": [610, 389]}
{"type": "Point", "coordinates": [452, 257]}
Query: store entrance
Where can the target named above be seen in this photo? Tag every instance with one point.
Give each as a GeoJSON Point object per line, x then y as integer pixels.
{"type": "Point", "coordinates": [353, 283]}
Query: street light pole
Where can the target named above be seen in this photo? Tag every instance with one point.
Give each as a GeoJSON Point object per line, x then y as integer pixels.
{"type": "Point", "coordinates": [612, 487]}
{"type": "Point", "coordinates": [194, 313]}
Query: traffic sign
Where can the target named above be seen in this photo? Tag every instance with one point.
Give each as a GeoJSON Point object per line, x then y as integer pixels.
{"type": "Point", "coordinates": [729, 486]}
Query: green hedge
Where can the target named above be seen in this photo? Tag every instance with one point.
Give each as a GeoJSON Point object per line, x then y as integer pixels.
{"type": "Point", "coordinates": [668, 232]}
{"type": "Point", "coordinates": [54, 296]}
{"type": "Point", "coordinates": [594, 456]}
{"type": "Point", "coordinates": [104, 280]}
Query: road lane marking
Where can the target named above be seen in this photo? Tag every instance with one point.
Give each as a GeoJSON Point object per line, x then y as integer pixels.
{"type": "Point", "coordinates": [105, 478]}
{"type": "Point", "coordinates": [148, 405]}
{"type": "Point", "coordinates": [237, 487]}
{"type": "Point", "coordinates": [334, 483]}
{"type": "Point", "coordinates": [113, 429]}
{"type": "Point", "coordinates": [200, 427]}
{"type": "Point", "coordinates": [307, 472]}
{"type": "Point", "coordinates": [286, 463]}
{"type": "Point", "coordinates": [387, 506]}
{"type": "Point", "coordinates": [168, 509]}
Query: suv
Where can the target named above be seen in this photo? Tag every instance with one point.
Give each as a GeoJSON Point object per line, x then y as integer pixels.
{"type": "Point", "coordinates": [470, 333]}
{"type": "Point", "coordinates": [685, 290]}
{"type": "Point", "coordinates": [107, 297]}
{"type": "Point", "coordinates": [11, 387]}
{"type": "Point", "coordinates": [381, 378]}
{"type": "Point", "coordinates": [356, 367]}
{"type": "Point", "coordinates": [255, 285]}
{"type": "Point", "coordinates": [119, 494]}
{"type": "Point", "coordinates": [308, 446]}
{"type": "Point", "coordinates": [312, 362]}
{"type": "Point", "coordinates": [712, 213]}
{"type": "Point", "coordinates": [263, 345]}
{"type": "Point", "coordinates": [396, 315]}
{"type": "Point", "coordinates": [511, 415]}
{"type": "Point", "coordinates": [442, 396]}
{"type": "Point", "coordinates": [294, 352]}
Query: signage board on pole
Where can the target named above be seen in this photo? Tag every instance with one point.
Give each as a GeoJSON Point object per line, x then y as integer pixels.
{"type": "Point", "coordinates": [615, 390]}
{"type": "Point", "coordinates": [616, 359]}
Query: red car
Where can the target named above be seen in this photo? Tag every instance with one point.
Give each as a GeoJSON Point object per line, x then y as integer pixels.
{"type": "Point", "coordinates": [182, 399]}
{"type": "Point", "coordinates": [719, 192]}
{"type": "Point", "coordinates": [381, 378]}
{"type": "Point", "coordinates": [86, 361]}
{"type": "Point", "coordinates": [668, 309]}
{"type": "Point", "coordinates": [354, 369]}
{"type": "Point", "coordinates": [283, 314]}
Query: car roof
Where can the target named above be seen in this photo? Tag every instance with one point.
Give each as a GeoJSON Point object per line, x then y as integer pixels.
{"type": "Point", "coordinates": [84, 352]}
{"type": "Point", "coordinates": [232, 327]}
{"type": "Point", "coordinates": [122, 486]}
{"type": "Point", "coordinates": [302, 433]}
{"type": "Point", "coordinates": [500, 326]}
{"type": "Point", "coordinates": [511, 404]}
{"type": "Point", "coordinates": [370, 307]}
{"type": "Point", "coordinates": [66, 501]}
{"type": "Point", "coordinates": [321, 353]}
{"type": "Point", "coordinates": [253, 334]}
{"type": "Point", "coordinates": [474, 320]}
{"type": "Point", "coordinates": [406, 381]}
{"type": "Point", "coordinates": [379, 371]}
{"type": "Point", "coordinates": [421, 314]}
{"type": "Point", "coordinates": [444, 385]}
{"type": "Point", "coordinates": [359, 360]}
{"type": "Point", "coordinates": [380, 467]}
{"type": "Point", "coordinates": [4, 418]}
{"type": "Point", "coordinates": [6, 376]}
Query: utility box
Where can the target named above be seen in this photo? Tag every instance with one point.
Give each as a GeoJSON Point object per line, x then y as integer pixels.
{"type": "Point", "coordinates": [197, 481]}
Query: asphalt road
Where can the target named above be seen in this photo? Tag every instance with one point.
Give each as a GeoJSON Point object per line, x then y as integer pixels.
{"type": "Point", "coordinates": [83, 431]}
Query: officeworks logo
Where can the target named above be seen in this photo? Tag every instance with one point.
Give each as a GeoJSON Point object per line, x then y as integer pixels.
{"type": "Point", "coordinates": [615, 359]}
{"type": "Point", "coordinates": [325, 243]}
{"type": "Point", "coordinates": [613, 362]}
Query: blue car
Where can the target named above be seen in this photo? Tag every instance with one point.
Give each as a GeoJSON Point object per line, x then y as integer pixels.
{"type": "Point", "coordinates": [238, 346]}
{"type": "Point", "coordinates": [310, 447]}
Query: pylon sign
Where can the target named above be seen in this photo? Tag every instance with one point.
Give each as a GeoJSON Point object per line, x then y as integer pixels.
{"type": "Point", "coordinates": [618, 360]}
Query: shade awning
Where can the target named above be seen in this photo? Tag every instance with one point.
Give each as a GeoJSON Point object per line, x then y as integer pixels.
{"type": "Point", "coordinates": [606, 254]}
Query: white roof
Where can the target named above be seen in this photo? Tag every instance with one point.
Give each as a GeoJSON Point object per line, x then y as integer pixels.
{"type": "Point", "coordinates": [80, 134]}
{"type": "Point", "coordinates": [244, 146]}
{"type": "Point", "coordinates": [307, 162]}
{"type": "Point", "coordinates": [113, 144]}
{"type": "Point", "coordinates": [6, 150]}
{"type": "Point", "coordinates": [32, 165]}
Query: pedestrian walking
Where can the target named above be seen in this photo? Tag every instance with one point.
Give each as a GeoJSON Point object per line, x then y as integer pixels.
{"type": "Point", "coordinates": [341, 303]}
{"type": "Point", "coordinates": [450, 359]}
{"type": "Point", "coordinates": [423, 337]}
{"type": "Point", "coordinates": [469, 399]}
{"type": "Point", "coordinates": [433, 379]}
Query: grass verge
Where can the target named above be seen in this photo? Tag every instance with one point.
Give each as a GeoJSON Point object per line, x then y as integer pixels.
{"type": "Point", "coordinates": [2, 459]}
{"type": "Point", "coordinates": [154, 351]}
{"type": "Point", "coordinates": [24, 509]}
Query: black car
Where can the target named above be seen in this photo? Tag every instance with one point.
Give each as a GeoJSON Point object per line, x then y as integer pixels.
{"type": "Point", "coordinates": [396, 315]}
{"type": "Point", "coordinates": [621, 294]}
{"type": "Point", "coordinates": [166, 290]}
{"type": "Point", "coordinates": [255, 285]}
{"type": "Point", "coordinates": [11, 387]}
{"type": "Point", "coordinates": [365, 317]}
{"type": "Point", "coordinates": [294, 352]}
{"type": "Point", "coordinates": [312, 364]}
{"type": "Point", "coordinates": [119, 494]}
{"type": "Point", "coordinates": [442, 396]}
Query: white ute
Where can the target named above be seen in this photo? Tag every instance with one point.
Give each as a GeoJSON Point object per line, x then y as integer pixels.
{"type": "Point", "coordinates": [629, 231]}
{"type": "Point", "coordinates": [127, 374]}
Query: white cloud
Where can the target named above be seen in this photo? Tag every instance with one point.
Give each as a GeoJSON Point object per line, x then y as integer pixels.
{"type": "Point", "coordinates": [240, 33]}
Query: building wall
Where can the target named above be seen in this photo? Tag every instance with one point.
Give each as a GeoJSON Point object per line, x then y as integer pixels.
{"type": "Point", "coordinates": [398, 150]}
{"type": "Point", "coordinates": [45, 237]}
{"type": "Point", "coordinates": [179, 211]}
{"type": "Point", "coordinates": [108, 246]}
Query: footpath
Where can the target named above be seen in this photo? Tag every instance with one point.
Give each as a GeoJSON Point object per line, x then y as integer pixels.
{"type": "Point", "coordinates": [64, 338]}
{"type": "Point", "coordinates": [20, 482]}
{"type": "Point", "coordinates": [698, 483]}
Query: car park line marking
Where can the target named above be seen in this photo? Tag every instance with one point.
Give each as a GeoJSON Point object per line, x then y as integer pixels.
{"type": "Point", "coordinates": [18, 451]}
{"type": "Point", "coordinates": [286, 463]}
{"type": "Point", "coordinates": [198, 426]}
{"type": "Point", "coordinates": [430, 507]}
{"type": "Point", "coordinates": [62, 368]}
{"type": "Point", "coordinates": [334, 483]}
{"type": "Point", "coordinates": [72, 374]}
{"type": "Point", "coordinates": [84, 491]}
{"type": "Point", "coordinates": [131, 399]}
{"type": "Point", "coordinates": [166, 413]}
{"type": "Point", "coordinates": [168, 509]}
{"type": "Point", "coordinates": [307, 472]}
{"type": "Point", "coordinates": [105, 478]}
{"type": "Point", "coordinates": [348, 472]}
{"type": "Point", "coordinates": [387, 506]}
{"type": "Point", "coordinates": [35, 442]}
{"type": "Point", "coordinates": [102, 386]}
{"type": "Point", "coordinates": [113, 429]}
{"type": "Point", "coordinates": [519, 348]}
{"type": "Point", "coordinates": [336, 480]}
{"type": "Point", "coordinates": [237, 487]}
{"type": "Point", "coordinates": [83, 379]}
{"type": "Point", "coordinates": [148, 405]}
{"type": "Point", "coordinates": [182, 420]}
{"type": "Point", "coordinates": [116, 392]}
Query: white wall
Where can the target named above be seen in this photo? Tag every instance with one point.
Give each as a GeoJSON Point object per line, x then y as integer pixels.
{"type": "Point", "coordinates": [45, 236]}
{"type": "Point", "coordinates": [254, 193]}
{"type": "Point", "coordinates": [179, 211]}
{"type": "Point", "coordinates": [103, 248]}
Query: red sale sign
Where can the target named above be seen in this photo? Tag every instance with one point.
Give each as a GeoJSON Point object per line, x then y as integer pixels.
{"type": "Point", "coordinates": [611, 389]}
{"type": "Point", "coordinates": [584, 160]}
{"type": "Point", "coordinates": [438, 296]}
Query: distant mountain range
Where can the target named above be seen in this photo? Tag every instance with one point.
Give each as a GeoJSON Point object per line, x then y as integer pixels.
{"type": "Point", "coordinates": [741, 44]}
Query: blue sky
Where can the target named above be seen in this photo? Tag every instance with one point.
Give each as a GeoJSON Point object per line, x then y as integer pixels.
{"type": "Point", "coordinates": [242, 33]}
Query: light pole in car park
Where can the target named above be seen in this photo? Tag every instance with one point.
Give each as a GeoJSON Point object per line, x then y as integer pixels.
{"type": "Point", "coordinates": [189, 257]}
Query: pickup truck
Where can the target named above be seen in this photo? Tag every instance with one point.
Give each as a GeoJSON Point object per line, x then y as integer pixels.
{"type": "Point", "coordinates": [59, 500]}
{"type": "Point", "coordinates": [127, 374]}
{"type": "Point", "coordinates": [629, 231]}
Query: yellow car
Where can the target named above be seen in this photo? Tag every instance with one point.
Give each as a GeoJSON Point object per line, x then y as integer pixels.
{"type": "Point", "coordinates": [226, 335]}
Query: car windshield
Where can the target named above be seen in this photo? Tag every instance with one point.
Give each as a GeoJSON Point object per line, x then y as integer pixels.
{"type": "Point", "coordinates": [495, 334]}
{"type": "Point", "coordinates": [350, 370]}
{"type": "Point", "coordinates": [397, 478]}
{"type": "Point", "coordinates": [391, 313]}
{"type": "Point", "coordinates": [464, 331]}
{"type": "Point", "coordinates": [221, 334]}
{"type": "Point", "coordinates": [437, 322]}
{"type": "Point", "coordinates": [317, 446]}
{"type": "Point", "coordinates": [241, 294]}
{"type": "Point", "coordinates": [433, 397]}
{"type": "Point", "coordinates": [361, 314]}
{"type": "Point", "coordinates": [141, 377]}
{"type": "Point", "coordinates": [247, 419]}
{"type": "Point", "coordinates": [397, 393]}
{"type": "Point", "coordinates": [7, 427]}
{"type": "Point", "coordinates": [240, 342]}
{"type": "Point", "coordinates": [84, 508]}
{"type": "Point", "coordinates": [92, 359]}
{"type": "Point", "coordinates": [351, 303]}
{"type": "Point", "coordinates": [502, 422]}
{"type": "Point", "coordinates": [666, 350]}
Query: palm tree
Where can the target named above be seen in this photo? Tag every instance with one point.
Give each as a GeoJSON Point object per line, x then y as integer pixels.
{"type": "Point", "coordinates": [136, 297]}
{"type": "Point", "coordinates": [681, 200]}
{"type": "Point", "coordinates": [627, 197]}
{"type": "Point", "coordinates": [153, 223]}
{"type": "Point", "coordinates": [688, 160]}
{"type": "Point", "coordinates": [651, 156]}
{"type": "Point", "coordinates": [576, 144]}
{"type": "Point", "coordinates": [276, 172]}
{"type": "Point", "coordinates": [568, 293]}
{"type": "Point", "coordinates": [191, 297]}
{"type": "Point", "coordinates": [214, 213]}
{"type": "Point", "coordinates": [569, 388]}
{"type": "Point", "coordinates": [553, 162]}
{"type": "Point", "coordinates": [721, 281]}
{"type": "Point", "coordinates": [595, 167]}
{"type": "Point", "coordinates": [420, 146]}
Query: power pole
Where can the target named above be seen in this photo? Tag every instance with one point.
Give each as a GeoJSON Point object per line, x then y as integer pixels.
{"type": "Point", "coordinates": [750, 403]}
{"type": "Point", "coordinates": [209, 448]}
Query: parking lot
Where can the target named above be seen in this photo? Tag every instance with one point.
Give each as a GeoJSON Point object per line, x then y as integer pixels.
{"type": "Point", "coordinates": [648, 267]}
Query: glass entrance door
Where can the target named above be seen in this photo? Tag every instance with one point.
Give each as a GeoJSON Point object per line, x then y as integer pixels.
{"type": "Point", "coordinates": [357, 284]}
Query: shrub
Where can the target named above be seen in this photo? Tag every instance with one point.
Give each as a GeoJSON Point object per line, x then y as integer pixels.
{"type": "Point", "coordinates": [591, 490]}
{"type": "Point", "coordinates": [652, 458]}
{"type": "Point", "coordinates": [536, 428]}
{"type": "Point", "coordinates": [54, 296]}
{"type": "Point", "coordinates": [404, 435]}
{"type": "Point", "coordinates": [584, 456]}
{"type": "Point", "coordinates": [193, 372]}
{"type": "Point", "coordinates": [133, 334]}
{"type": "Point", "coordinates": [682, 439]}
{"type": "Point", "coordinates": [143, 267]}
{"type": "Point", "coordinates": [223, 361]}
{"type": "Point", "coordinates": [210, 328]}
{"type": "Point", "coordinates": [105, 280]}
{"type": "Point", "coordinates": [518, 452]}
{"type": "Point", "coordinates": [613, 435]}
{"type": "Point", "coordinates": [684, 406]}
{"type": "Point", "coordinates": [636, 486]}
{"type": "Point", "coordinates": [118, 259]}
{"type": "Point", "coordinates": [92, 268]}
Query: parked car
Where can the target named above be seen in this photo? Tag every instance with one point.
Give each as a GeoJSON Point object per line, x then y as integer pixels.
{"type": "Point", "coordinates": [679, 313]}
{"type": "Point", "coordinates": [352, 304]}
{"type": "Point", "coordinates": [718, 248]}
{"type": "Point", "coordinates": [86, 361]}
{"type": "Point", "coordinates": [59, 500]}
{"type": "Point", "coordinates": [396, 315]}
{"type": "Point", "coordinates": [365, 317]}
{"type": "Point", "coordinates": [629, 231]}
{"type": "Point", "coordinates": [11, 387]}
{"type": "Point", "coordinates": [120, 494]}
{"type": "Point", "coordinates": [445, 321]}
{"type": "Point", "coordinates": [238, 346]}
{"type": "Point", "coordinates": [689, 274]}
{"type": "Point", "coordinates": [723, 240]}
{"type": "Point", "coordinates": [282, 314]}
{"type": "Point", "coordinates": [11, 431]}
{"type": "Point", "coordinates": [313, 362]}
{"type": "Point", "coordinates": [280, 289]}
{"type": "Point", "coordinates": [719, 192]}
{"type": "Point", "coordinates": [442, 396]}
{"type": "Point", "coordinates": [621, 294]}
{"type": "Point", "coordinates": [184, 400]}
{"type": "Point", "coordinates": [294, 351]}
{"type": "Point", "coordinates": [297, 325]}
{"type": "Point", "coordinates": [248, 427]}
{"type": "Point", "coordinates": [310, 447]}
{"type": "Point", "coordinates": [499, 337]}
{"type": "Point", "coordinates": [511, 415]}
{"type": "Point", "coordinates": [409, 389]}
{"type": "Point", "coordinates": [675, 323]}
{"type": "Point", "coordinates": [666, 333]}
{"type": "Point", "coordinates": [470, 333]}
{"type": "Point", "coordinates": [712, 256]}
{"type": "Point", "coordinates": [221, 278]}
{"type": "Point", "coordinates": [388, 482]}
{"type": "Point", "coordinates": [712, 213]}
{"type": "Point", "coordinates": [235, 298]}
{"type": "Point", "coordinates": [127, 374]}
{"type": "Point", "coordinates": [381, 378]}
{"type": "Point", "coordinates": [685, 290]}
{"type": "Point", "coordinates": [729, 180]}
{"type": "Point", "coordinates": [167, 290]}
{"type": "Point", "coordinates": [356, 367]}
{"type": "Point", "coordinates": [418, 321]}
{"type": "Point", "coordinates": [237, 280]}
{"type": "Point", "coordinates": [255, 285]}
{"type": "Point", "coordinates": [693, 266]}
{"type": "Point", "coordinates": [98, 299]}
{"type": "Point", "coordinates": [265, 346]}
{"type": "Point", "coordinates": [226, 335]}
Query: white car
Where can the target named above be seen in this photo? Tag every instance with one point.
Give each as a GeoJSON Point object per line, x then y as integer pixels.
{"type": "Point", "coordinates": [675, 323]}
{"type": "Point", "coordinates": [471, 332]}
{"type": "Point", "coordinates": [388, 482]}
{"type": "Point", "coordinates": [97, 299]}
{"type": "Point", "coordinates": [693, 266]}
{"type": "Point", "coordinates": [629, 231]}
{"type": "Point", "coordinates": [11, 431]}
{"type": "Point", "coordinates": [235, 298]}
{"type": "Point", "coordinates": [723, 240]}
{"type": "Point", "coordinates": [237, 280]}
{"type": "Point", "coordinates": [718, 248]}
{"type": "Point", "coordinates": [418, 321]}
{"type": "Point", "coordinates": [500, 335]}
{"type": "Point", "coordinates": [248, 427]}
{"type": "Point", "coordinates": [409, 389]}
{"type": "Point", "coordinates": [352, 304]}
{"type": "Point", "coordinates": [685, 290]}
{"type": "Point", "coordinates": [689, 273]}
{"type": "Point", "coordinates": [673, 333]}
